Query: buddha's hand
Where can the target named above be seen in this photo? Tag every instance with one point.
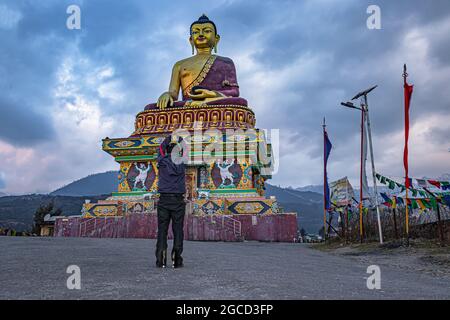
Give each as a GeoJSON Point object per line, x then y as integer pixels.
{"type": "Point", "coordinates": [164, 100]}
{"type": "Point", "coordinates": [201, 94]}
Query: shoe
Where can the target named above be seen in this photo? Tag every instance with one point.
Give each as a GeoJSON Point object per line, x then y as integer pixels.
{"type": "Point", "coordinates": [177, 262]}
{"type": "Point", "coordinates": [161, 259]}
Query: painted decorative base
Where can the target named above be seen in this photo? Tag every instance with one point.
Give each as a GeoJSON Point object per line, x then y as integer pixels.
{"type": "Point", "coordinates": [118, 206]}
{"type": "Point", "coordinates": [276, 227]}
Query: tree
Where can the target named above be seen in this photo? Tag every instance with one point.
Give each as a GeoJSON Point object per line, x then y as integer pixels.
{"type": "Point", "coordinates": [321, 232]}
{"type": "Point", "coordinates": [302, 232]}
{"type": "Point", "coordinates": [41, 212]}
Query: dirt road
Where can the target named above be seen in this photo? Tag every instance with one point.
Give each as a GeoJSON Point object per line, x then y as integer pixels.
{"type": "Point", "coordinates": [35, 268]}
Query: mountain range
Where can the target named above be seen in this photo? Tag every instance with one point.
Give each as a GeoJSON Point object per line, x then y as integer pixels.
{"type": "Point", "coordinates": [94, 184]}
{"type": "Point", "coordinates": [17, 211]}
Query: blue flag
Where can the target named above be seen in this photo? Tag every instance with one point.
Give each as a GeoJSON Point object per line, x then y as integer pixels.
{"type": "Point", "coordinates": [385, 197]}
{"type": "Point", "coordinates": [327, 150]}
{"type": "Point", "coordinates": [447, 200]}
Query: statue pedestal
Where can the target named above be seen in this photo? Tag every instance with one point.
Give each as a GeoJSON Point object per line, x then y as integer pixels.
{"type": "Point", "coordinates": [223, 182]}
{"type": "Point", "coordinates": [230, 171]}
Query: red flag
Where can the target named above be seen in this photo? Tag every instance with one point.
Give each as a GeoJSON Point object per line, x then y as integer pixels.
{"type": "Point", "coordinates": [408, 93]}
{"type": "Point", "coordinates": [437, 184]}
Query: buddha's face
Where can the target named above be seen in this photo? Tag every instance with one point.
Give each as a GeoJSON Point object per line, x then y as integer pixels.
{"type": "Point", "coordinates": [203, 35]}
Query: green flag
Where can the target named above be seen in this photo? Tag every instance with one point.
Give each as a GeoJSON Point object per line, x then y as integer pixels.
{"type": "Point", "coordinates": [391, 185]}
{"type": "Point", "coordinates": [433, 203]}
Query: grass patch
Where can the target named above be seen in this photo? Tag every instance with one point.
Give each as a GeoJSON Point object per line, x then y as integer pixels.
{"type": "Point", "coordinates": [432, 247]}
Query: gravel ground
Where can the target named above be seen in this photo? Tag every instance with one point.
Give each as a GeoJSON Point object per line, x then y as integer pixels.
{"type": "Point", "coordinates": [422, 256]}
{"type": "Point", "coordinates": [35, 268]}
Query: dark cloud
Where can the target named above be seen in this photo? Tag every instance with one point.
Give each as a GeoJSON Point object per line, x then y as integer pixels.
{"type": "Point", "coordinates": [352, 58]}
{"type": "Point", "coordinates": [29, 57]}
{"type": "Point", "coordinates": [323, 47]}
{"type": "Point", "coordinates": [21, 126]}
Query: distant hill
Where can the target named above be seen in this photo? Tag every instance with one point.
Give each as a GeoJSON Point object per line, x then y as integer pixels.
{"type": "Point", "coordinates": [308, 206]}
{"type": "Point", "coordinates": [312, 188]}
{"type": "Point", "coordinates": [319, 188]}
{"type": "Point", "coordinates": [94, 184]}
{"type": "Point", "coordinates": [17, 212]}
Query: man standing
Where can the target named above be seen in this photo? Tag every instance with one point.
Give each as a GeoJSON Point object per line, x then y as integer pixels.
{"type": "Point", "coordinates": [171, 205]}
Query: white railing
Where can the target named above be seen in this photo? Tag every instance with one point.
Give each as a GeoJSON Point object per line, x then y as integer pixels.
{"type": "Point", "coordinates": [227, 223]}
{"type": "Point", "coordinates": [94, 227]}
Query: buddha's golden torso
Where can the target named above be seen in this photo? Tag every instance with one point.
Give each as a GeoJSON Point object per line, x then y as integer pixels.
{"type": "Point", "coordinates": [190, 68]}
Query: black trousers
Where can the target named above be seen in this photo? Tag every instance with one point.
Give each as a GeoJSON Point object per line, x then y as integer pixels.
{"type": "Point", "coordinates": [171, 207]}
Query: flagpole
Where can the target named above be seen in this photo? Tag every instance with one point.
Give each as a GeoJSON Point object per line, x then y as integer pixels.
{"type": "Point", "coordinates": [324, 182]}
{"type": "Point", "coordinates": [369, 132]}
{"type": "Point", "coordinates": [405, 155]}
{"type": "Point", "coordinates": [361, 232]}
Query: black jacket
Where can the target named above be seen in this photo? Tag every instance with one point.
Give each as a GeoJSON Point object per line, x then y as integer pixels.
{"type": "Point", "coordinates": [171, 176]}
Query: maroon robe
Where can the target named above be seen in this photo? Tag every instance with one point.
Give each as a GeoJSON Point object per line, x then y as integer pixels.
{"type": "Point", "coordinates": [218, 74]}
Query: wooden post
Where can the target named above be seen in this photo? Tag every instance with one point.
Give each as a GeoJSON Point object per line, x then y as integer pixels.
{"type": "Point", "coordinates": [407, 217]}
{"type": "Point", "coordinates": [395, 223]}
{"type": "Point", "coordinates": [346, 223]}
{"type": "Point", "coordinates": [438, 211]}
{"type": "Point", "coordinates": [441, 231]}
{"type": "Point", "coordinates": [342, 225]}
{"type": "Point", "coordinates": [329, 224]}
{"type": "Point", "coordinates": [331, 227]}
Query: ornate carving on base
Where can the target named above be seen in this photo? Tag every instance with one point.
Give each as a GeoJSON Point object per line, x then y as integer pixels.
{"type": "Point", "coordinates": [210, 116]}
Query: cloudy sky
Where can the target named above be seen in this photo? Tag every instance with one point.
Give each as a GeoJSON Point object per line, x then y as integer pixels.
{"type": "Point", "coordinates": [62, 91]}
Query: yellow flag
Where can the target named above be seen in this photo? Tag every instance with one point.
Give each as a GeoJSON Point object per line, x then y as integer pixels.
{"type": "Point", "coordinates": [421, 205]}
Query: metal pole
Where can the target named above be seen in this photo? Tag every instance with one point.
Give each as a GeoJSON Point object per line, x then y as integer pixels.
{"type": "Point", "coordinates": [380, 232]}
{"type": "Point", "coordinates": [324, 185]}
{"type": "Point", "coordinates": [361, 232]}
{"type": "Point", "coordinates": [341, 215]}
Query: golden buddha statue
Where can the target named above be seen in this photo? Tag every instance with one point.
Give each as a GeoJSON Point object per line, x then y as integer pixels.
{"type": "Point", "coordinates": [204, 78]}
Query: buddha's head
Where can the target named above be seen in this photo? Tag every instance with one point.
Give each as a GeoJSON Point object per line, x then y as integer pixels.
{"type": "Point", "coordinates": [204, 34]}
